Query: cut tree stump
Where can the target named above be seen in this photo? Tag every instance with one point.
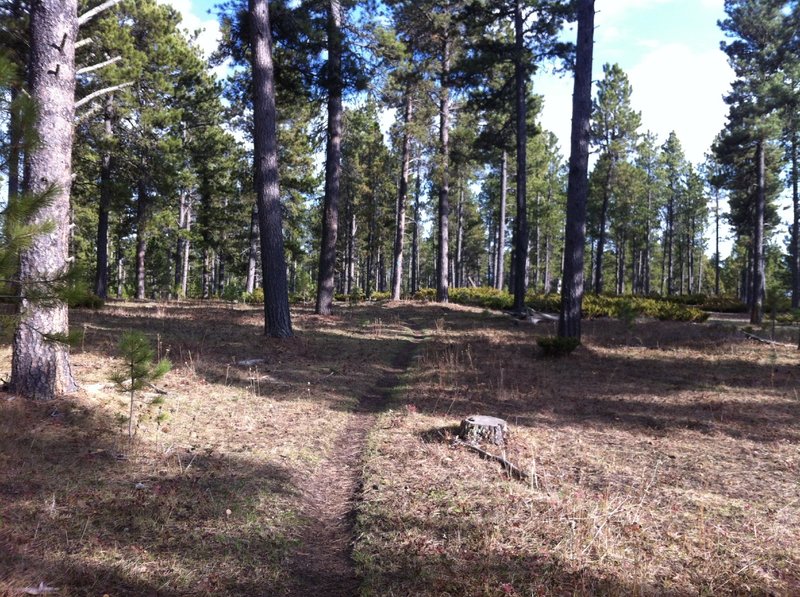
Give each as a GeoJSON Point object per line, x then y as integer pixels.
{"type": "Point", "coordinates": [480, 428]}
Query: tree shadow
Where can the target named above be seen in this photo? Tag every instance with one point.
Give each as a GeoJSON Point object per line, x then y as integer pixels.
{"type": "Point", "coordinates": [78, 515]}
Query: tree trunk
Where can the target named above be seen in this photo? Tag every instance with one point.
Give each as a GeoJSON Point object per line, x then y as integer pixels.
{"type": "Point", "coordinates": [252, 253]}
{"type": "Point", "coordinates": [716, 257]}
{"type": "Point", "coordinates": [520, 84]}
{"type": "Point", "coordinates": [277, 320]}
{"type": "Point", "coordinates": [101, 273]}
{"type": "Point", "coordinates": [501, 233]}
{"type": "Point", "coordinates": [758, 236]}
{"type": "Point", "coordinates": [141, 240]}
{"type": "Point", "coordinates": [40, 367]}
{"type": "Point", "coordinates": [415, 234]}
{"type": "Point", "coordinates": [795, 252]}
{"type": "Point", "coordinates": [333, 165]}
{"type": "Point", "coordinates": [569, 323]}
{"type": "Point", "coordinates": [601, 241]}
{"type": "Point", "coordinates": [442, 277]}
{"type": "Point", "coordinates": [402, 198]}
{"type": "Point", "coordinates": [458, 271]}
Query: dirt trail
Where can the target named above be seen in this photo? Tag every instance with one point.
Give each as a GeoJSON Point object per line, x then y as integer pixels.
{"type": "Point", "coordinates": [323, 564]}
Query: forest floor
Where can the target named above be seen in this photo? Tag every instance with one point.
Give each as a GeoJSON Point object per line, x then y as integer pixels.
{"type": "Point", "coordinates": [662, 458]}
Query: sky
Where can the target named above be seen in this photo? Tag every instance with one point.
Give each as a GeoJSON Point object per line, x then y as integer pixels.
{"type": "Point", "coordinates": [668, 48]}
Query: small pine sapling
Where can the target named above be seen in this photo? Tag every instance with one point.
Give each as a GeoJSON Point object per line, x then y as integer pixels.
{"type": "Point", "coordinates": [138, 370]}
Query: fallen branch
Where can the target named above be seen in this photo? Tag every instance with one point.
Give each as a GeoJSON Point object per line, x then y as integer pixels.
{"type": "Point", "coordinates": [511, 468]}
{"type": "Point", "coordinates": [157, 390]}
{"type": "Point", "coordinates": [765, 340]}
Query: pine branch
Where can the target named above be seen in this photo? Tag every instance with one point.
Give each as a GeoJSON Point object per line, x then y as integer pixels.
{"type": "Point", "coordinates": [99, 92]}
{"type": "Point", "coordinates": [98, 66]}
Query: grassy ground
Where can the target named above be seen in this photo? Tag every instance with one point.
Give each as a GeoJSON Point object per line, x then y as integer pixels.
{"type": "Point", "coordinates": [662, 458]}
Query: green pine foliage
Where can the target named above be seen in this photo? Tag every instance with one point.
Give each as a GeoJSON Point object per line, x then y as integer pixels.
{"type": "Point", "coordinates": [138, 369]}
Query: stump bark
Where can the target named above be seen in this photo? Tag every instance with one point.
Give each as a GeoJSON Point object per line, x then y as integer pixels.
{"type": "Point", "coordinates": [480, 428]}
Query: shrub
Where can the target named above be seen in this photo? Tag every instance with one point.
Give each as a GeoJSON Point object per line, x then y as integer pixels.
{"type": "Point", "coordinates": [82, 299]}
{"type": "Point", "coordinates": [254, 298]}
{"type": "Point", "coordinates": [380, 296]}
{"type": "Point", "coordinates": [425, 294]}
{"type": "Point", "coordinates": [557, 346]}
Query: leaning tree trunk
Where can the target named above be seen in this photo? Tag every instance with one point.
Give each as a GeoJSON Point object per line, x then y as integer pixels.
{"type": "Point", "coordinates": [277, 320]}
{"type": "Point", "coordinates": [402, 199]}
{"type": "Point", "coordinates": [521, 244]}
{"type": "Point", "coordinates": [442, 277]}
{"type": "Point", "coordinates": [333, 165]}
{"type": "Point", "coordinates": [40, 366]}
{"type": "Point", "coordinates": [569, 323]}
{"type": "Point", "coordinates": [758, 237]}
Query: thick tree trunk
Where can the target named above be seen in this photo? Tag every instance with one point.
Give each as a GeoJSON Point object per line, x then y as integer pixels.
{"type": "Point", "coordinates": [101, 273]}
{"type": "Point", "coordinates": [520, 84]}
{"type": "Point", "coordinates": [333, 166]}
{"type": "Point", "coordinates": [40, 366]}
{"type": "Point", "coordinates": [141, 238]}
{"type": "Point", "coordinates": [277, 320]}
{"type": "Point", "coordinates": [442, 277]}
{"type": "Point", "coordinates": [501, 232]}
{"type": "Point", "coordinates": [758, 237]}
{"type": "Point", "coordinates": [569, 323]}
{"type": "Point", "coordinates": [402, 198]}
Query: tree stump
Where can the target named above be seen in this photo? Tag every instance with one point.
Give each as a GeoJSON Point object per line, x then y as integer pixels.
{"type": "Point", "coordinates": [478, 428]}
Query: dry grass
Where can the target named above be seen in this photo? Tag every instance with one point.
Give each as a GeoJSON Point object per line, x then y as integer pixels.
{"type": "Point", "coordinates": [663, 459]}
{"type": "Point", "coordinates": [207, 502]}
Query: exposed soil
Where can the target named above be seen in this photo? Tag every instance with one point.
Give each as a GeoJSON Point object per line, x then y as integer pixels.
{"type": "Point", "coordinates": [323, 564]}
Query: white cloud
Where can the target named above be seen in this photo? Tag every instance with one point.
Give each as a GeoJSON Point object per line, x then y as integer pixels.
{"type": "Point", "coordinates": [681, 90]}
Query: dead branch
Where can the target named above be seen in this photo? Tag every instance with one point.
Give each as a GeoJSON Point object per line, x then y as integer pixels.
{"type": "Point", "coordinates": [99, 92]}
{"type": "Point", "coordinates": [98, 66]}
{"type": "Point", "coordinates": [764, 340]}
{"type": "Point", "coordinates": [83, 42]}
{"type": "Point", "coordinates": [90, 14]}
{"type": "Point", "coordinates": [511, 468]}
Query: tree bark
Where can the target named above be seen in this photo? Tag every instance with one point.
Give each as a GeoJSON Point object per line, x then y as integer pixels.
{"type": "Point", "coordinates": [795, 252]}
{"type": "Point", "coordinates": [569, 323]}
{"type": "Point", "coordinates": [402, 198]}
{"type": "Point", "coordinates": [40, 367]}
{"type": "Point", "coordinates": [101, 273]}
{"type": "Point", "coordinates": [758, 236]}
{"type": "Point", "coordinates": [601, 241]}
{"type": "Point", "coordinates": [141, 239]}
{"type": "Point", "coordinates": [501, 232]}
{"type": "Point", "coordinates": [277, 320]}
{"type": "Point", "coordinates": [442, 276]}
{"type": "Point", "coordinates": [333, 166]}
{"type": "Point", "coordinates": [521, 241]}
{"type": "Point", "coordinates": [415, 233]}
{"type": "Point", "coordinates": [252, 253]}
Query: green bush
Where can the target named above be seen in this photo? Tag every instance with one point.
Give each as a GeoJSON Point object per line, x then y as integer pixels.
{"type": "Point", "coordinates": [380, 296]}
{"type": "Point", "coordinates": [557, 346]}
{"type": "Point", "coordinates": [254, 298]}
{"type": "Point", "coordinates": [425, 294]}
